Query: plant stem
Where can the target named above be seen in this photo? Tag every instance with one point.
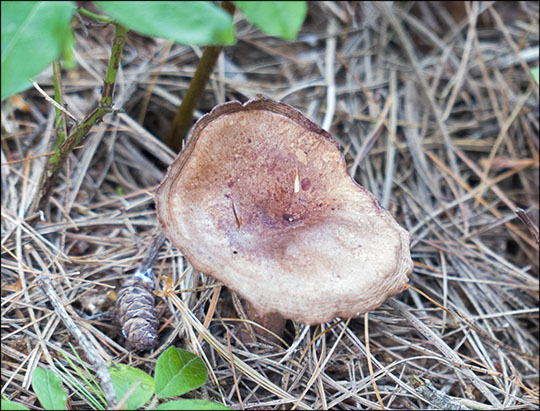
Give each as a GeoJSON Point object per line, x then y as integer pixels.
{"type": "Point", "coordinates": [184, 115]}
{"type": "Point", "coordinates": [120, 34]}
{"type": "Point", "coordinates": [59, 122]}
{"type": "Point", "coordinates": [64, 148]}
{"type": "Point", "coordinates": [94, 16]}
{"type": "Point", "coordinates": [57, 94]}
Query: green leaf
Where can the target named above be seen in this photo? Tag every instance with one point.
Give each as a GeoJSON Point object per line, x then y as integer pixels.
{"type": "Point", "coordinates": [177, 372]}
{"type": "Point", "coordinates": [276, 18]}
{"type": "Point", "coordinates": [124, 378]}
{"type": "Point", "coordinates": [34, 34]}
{"type": "Point", "coordinates": [191, 405]}
{"type": "Point", "coordinates": [48, 388]}
{"type": "Point", "coordinates": [10, 405]}
{"type": "Point", "coordinates": [534, 72]}
{"type": "Point", "coordinates": [185, 22]}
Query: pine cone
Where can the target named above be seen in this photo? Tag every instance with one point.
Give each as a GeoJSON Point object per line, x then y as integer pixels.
{"type": "Point", "coordinates": [136, 314]}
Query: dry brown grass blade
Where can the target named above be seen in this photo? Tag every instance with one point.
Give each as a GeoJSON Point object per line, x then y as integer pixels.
{"type": "Point", "coordinates": [405, 41]}
{"type": "Point", "coordinates": [371, 138]}
{"type": "Point", "coordinates": [321, 365]}
{"type": "Point", "coordinates": [492, 184]}
{"type": "Point", "coordinates": [503, 134]}
{"type": "Point", "coordinates": [239, 396]}
{"type": "Point", "coordinates": [368, 356]}
{"type": "Point", "coordinates": [223, 351]}
{"type": "Point", "coordinates": [211, 309]}
{"type": "Point", "coordinates": [445, 349]}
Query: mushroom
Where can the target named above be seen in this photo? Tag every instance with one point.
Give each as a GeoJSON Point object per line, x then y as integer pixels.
{"type": "Point", "coordinates": [260, 199]}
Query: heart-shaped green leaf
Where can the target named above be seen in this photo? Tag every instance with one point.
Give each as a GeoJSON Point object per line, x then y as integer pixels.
{"type": "Point", "coordinates": [124, 378]}
{"type": "Point", "coordinates": [48, 388]}
{"type": "Point", "coordinates": [276, 18]}
{"type": "Point", "coordinates": [185, 22]}
{"type": "Point", "coordinates": [13, 406]}
{"type": "Point", "coordinates": [191, 405]}
{"type": "Point", "coordinates": [177, 372]}
{"type": "Point", "coordinates": [34, 34]}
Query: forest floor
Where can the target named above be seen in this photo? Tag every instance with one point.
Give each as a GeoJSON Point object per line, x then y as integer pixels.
{"type": "Point", "coordinates": [441, 96]}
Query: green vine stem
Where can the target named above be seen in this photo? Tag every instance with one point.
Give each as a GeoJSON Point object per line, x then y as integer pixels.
{"type": "Point", "coordinates": [95, 16]}
{"type": "Point", "coordinates": [184, 115]}
{"type": "Point", "coordinates": [60, 121]}
{"type": "Point", "coordinates": [62, 150]}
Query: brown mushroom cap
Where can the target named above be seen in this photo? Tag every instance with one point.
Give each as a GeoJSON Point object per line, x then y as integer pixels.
{"type": "Point", "coordinates": [260, 199]}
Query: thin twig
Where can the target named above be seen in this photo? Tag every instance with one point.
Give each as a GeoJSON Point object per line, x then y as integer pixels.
{"type": "Point", "coordinates": [329, 75]}
{"type": "Point", "coordinates": [238, 395]}
{"type": "Point", "coordinates": [54, 103]}
{"type": "Point", "coordinates": [101, 366]}
{"type": "Point", "coordinates": [122, 403]}
{"type": "Point", "coordinates": [460, 75]}
{"type": "Point", "coordinates": [151, 253]}
{"type": "Point", "coordinates": [370, 139]}
{"type": "Point", "coordinates": [56, 162]}
{"type": "Point", "coordinates": [503, 134]}
{"type": "Point", "coordinates": [368, 357]}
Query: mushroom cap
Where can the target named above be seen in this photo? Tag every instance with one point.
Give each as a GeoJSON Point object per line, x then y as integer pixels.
{"type": "Point", "coordinates": [260, 199]}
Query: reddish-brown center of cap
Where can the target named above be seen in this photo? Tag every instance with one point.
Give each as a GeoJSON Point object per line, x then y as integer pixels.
{"type": "Point", "coordinates": [263, 181]}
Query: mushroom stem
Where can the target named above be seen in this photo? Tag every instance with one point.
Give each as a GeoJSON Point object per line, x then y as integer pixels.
{"type": "Point", "coordinates": [273, 322]}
